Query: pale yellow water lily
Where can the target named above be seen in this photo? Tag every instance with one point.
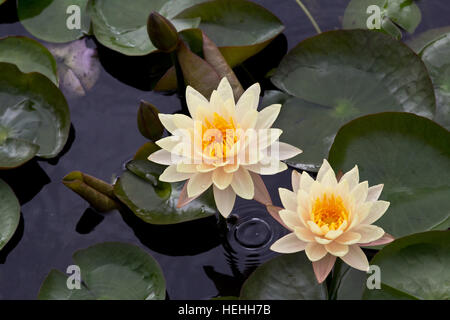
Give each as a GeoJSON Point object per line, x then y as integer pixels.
{"type": "Point", "coordinates": [330, 218]}
{"type": "Point", "coordinates": [223, 144]}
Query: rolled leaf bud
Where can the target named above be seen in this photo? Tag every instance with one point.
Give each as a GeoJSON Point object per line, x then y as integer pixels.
{"type": "Point", "coordinates": [148, 122]}
{"type": "Point", "coordinates": [162, 32]}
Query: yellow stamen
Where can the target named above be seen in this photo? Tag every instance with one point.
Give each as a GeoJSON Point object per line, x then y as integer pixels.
{"type": "Point", "coordinates": [329, 211]}
{"type": "Point", "coordinates": [219, 136]}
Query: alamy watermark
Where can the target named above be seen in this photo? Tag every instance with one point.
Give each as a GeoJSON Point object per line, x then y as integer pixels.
{"type": "Point", "coordinates": [73, 22]}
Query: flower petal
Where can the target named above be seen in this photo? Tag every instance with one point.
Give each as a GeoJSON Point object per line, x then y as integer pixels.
{"type": "Point", "coordinates": [290, 219]}
{"type": "Point", "coordinates": [224, 200]}
{"type": "Point", "coordinates": [322, 240]}
{"type": "Point", "coordinates": [349, 238]}
{"type": "Point", "coordinates": [304, 234]}
{"type": "Point", "coordinates": [169, 143]}
{"type": "Point", "coordinates": [224, 90]}
{"type": "Point", "coordinates": [306, 181]}
{"type": "Point", "coordinates": [198, 183]}
{"type": "Point", "coordinates": [377, 210]}
{"type": "Point", "coordinates": [288, 199]}
{"type": "Point", "coordinates": [163, 157]}
{"type": "Point", "coordinates": [315, 251]}
{"type": "Point", "coordinates": [295, 178]}
{"type": "Point", "coordinates": [356, 258]}
{"type": "Point", "coordinates": [221, 179]}
{"type": "Point", "coordinates": [285, 151]}
{"type": "Point", "coordinates": [288, 244]}
{"type": "Point", "coordinates": [314, 228]}
{"type": "Point", "coordinates": [374, 192]}
{"type": "Point", "coordinates": [333, 234]}
{"type": "Point", "coordinates": [248, 120]}
{"type": "Point", "coordinates": [267, 116]}
{"type": "Point", "coordinates": [171, 174]}
{"type": "Point", "coordinates": [266, 137]}
{"type": "Point", "coordinates": [369, 233]}
{"type": "Point", "coordinates": [242, 184]}
{"type": "Point", "coordinates": [352, 177]}
{"type": "Point", "coordinates": [267, 169]}
{"type": "Point", "coordinates": [249, 99]}
{"type": "Point", "coordinates": [329, 179]}
{"type": "Point", "coordinates": [323, 267]}
{"type": "Point", "coordinates": [182, 122]}
{"type": "Point", "coordinates": [386, 238]}
{"type": "Point", "coordinates": [324, 168]}
{"type": "Point", "coordinates": [359, 193]}
{"type": "Point", "coordinates": [337, 249]}
{"type": "Point", "coordinates": [195, 99]}
{"type": "Point", "coordinates": [261, 193]}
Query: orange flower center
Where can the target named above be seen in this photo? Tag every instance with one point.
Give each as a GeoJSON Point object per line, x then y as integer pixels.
{"type": "Point", "coordinates": [329, 211]}
{"type": "Point", "coordinates": [219, 136]}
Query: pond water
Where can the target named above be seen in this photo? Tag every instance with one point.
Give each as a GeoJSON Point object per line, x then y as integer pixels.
{"type": "Point", "coordinates": [199, 261]}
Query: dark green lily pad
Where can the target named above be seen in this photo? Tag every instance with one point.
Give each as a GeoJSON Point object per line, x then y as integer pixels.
{"type": "Point", "coordinates": [394, 14]}
{"type": "Point", "coordinates": [154, 201]}
{"type": "Point", "coordinates": [48, 19]}
{"type": "Point", "coordinates": [287, 277]}
{"type": "Point", "coordinates": [29, 56]}
{"type": "Point", "coordinates": [347, 283]}
{"type": "Point", "coordinates": [239, 28]}
{"type": "Point", "coordinates": [419, 42]}
{"type": "Point", "coordinates": [437, 59]}
{"type": "Point", "coordinates": [340, 75]}
{"type": "Point", "coordinates": [33, 112]}
{"type": "Point", "coordinates": [9, 213]}
{"type": "Point", "coordinates": [414, 267]}
{"type": "Point", "coordinates": [109, 271]}
{"type": "Point", "coordinates": [123, 27]}
{"type": "Point", "coordinates": [410, 155]}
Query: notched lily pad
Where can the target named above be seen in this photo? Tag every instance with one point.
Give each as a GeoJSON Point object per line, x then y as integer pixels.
{"type": "Point", "coordinates": [414, 267]}
{"type": "Point", "coordinates": [9, 213]}
{"type": "Point", "coordinates": [395, 15]}
{"type": "Point", "coordinates": [33, 112]}
{"type": "Point", "coordinates": [109, 271]}
{"type": "Point", "coordinates": [287, 277]}
{"type": "Point", "coordinates": [410, 155]}
{"type": "Point", "coordinates": [361, 72]}
{"type": "Point", "coordinates": [154, 201]}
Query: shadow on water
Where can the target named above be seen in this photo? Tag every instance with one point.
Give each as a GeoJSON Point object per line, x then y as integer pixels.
{"type": "Point", "coordinates": [226, 285]}
{"type": "Point", "coordinates": [140, 72]}
{"type": "Point", "coordinates": [89, 221]}
{"type": "Point", "coordinates": [13, 242]}
{"type": "Point", "coordinates": [26, 181]}
{"type": "Point", "coordinates": [8, 12]}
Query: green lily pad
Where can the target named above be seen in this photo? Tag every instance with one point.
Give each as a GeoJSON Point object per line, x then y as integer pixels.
{"type": "Point", "coordinates": [32, 109]}
{"type": "Point", "coordinates": [287, 277]}
{"type": "Point", "coordinates": [340, 75]}
{"type": "Point", "coordinates": [410, 155]}
{"type": "Point", "coordinates": [49, 20]}
{"type": "Point", "coordinates": [437, 59]}
{"type": "Point", "coordinates": [347, 283]}
{"type": "Point", "coordinates": [154, 201]}
{"type": "Point", "coordinates": [29, 56]}
{"type": "Point", "coordinates": [123, 27]}
{"type": "Point", "coordinates": [239, 28]}
{"type": "Point", "coordinates": [109, 271]}
{"type": "Point", "coordinates": [414, 267]}
{"type": "Point", "coordinates": [419, 42]}
{"type": "Point", "coordinates": [9, 213]}
{"type": "Point", "coordinates": [394, 14]}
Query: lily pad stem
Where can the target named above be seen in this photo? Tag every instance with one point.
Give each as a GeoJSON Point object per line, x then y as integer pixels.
{"type": "Point", "coordinates": [181, 87]}
{"type": "Point", "coordinates": [310, 17]}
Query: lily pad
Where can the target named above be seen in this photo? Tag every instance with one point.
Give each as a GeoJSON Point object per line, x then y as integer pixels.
{"type": "Point", "coordinates": [154, 201]}
{"type": "Point", "coordinates": [394, 14]}
{"type": "Point", "coordinates": [437, 59]}
{"type": "Point", "coordinates": [29, 56]}
{"type": "Point", "coordinates": [49, 20]}
{"type": "Point", "coordinates": [287, 277]}
{"type": "Point", "coordinates": [123, 27]}
{"type": "Point", "coordinates": [109, 271]}
{"type": "Point", "coordinates": [9, 213]}
{"type": "Point", "coordinates": [419, 42]}
{"type": "Point", "coordinates": [347, 283]}
{"type": "Point", "coordinates": [32, 109]}
{"type": "Point", "coordinates": [340, 75]}
{"type": "Point", "coordinates": [414, 267]}
{"type": "Point", "coordinates": [410, 155]}
{"type": "Point", "coordinates": [239, 28]}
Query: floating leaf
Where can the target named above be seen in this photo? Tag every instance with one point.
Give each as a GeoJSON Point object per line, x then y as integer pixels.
{"type": "Point", "coordinates": [34, 117]}
{"type": "Point", "coordinates": [154, 201]}
{"type": "Point", "coordinates": [437, 59]}
{"type": "Point", "coordinates": [414, 267]}
{"type": "Point", "coordinates": [98, 193]}
{"type": "Point", "coordinates": [347, 283]}
{"type": "Point", "coordinates": [403, 13]}
{"type": "Point", "coordinates": [123, 27]}
{"type": "Point", "coordinates": [287, 277]}
{"type": "Point", "coordinates": [109, 271]}
{"type": "Point", "coordinates": [410, 155]}
{"type": "Point", "coordinates": [418, 43]}
{"type": "Point", "coordinates": [49, 20]}
{"type": "Point", "coordinates": [340, 75]}
{"type": "Point", "coordinates": [78, 67]}
{"type": "Point", "coordinates": [148, 121]}
{"type": "Point", "coordinates": [29, 56]}
{"type": "Point", "coordinates": [9, 213]}
{"type": "Point", "coordinates": [239, 28]}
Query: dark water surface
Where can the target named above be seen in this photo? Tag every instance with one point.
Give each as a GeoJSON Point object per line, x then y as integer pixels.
{"type": "Point", "coordinates": [197, 261]}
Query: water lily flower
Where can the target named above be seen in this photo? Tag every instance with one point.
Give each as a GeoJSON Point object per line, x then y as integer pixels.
{"type": "Point", "coordinates": [223, 144]}
{"type": "Point", "coordinates": [330, 218]}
